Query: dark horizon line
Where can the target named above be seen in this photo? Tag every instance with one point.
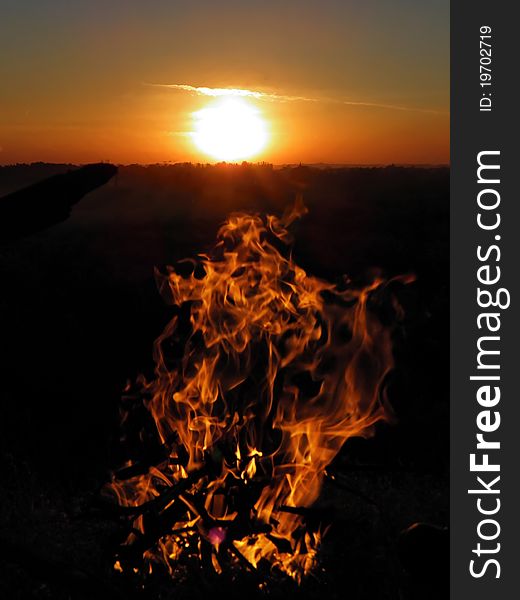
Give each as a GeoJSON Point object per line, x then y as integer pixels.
{"type": "Point", "coordinates": [236, 163]}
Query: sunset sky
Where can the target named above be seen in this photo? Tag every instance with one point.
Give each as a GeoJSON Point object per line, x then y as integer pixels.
{"type": "Point", "coordinates": [336, 81]}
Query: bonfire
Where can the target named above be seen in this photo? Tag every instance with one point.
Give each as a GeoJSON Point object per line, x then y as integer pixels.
{"type": "Point", "coordinates": [261, 376]}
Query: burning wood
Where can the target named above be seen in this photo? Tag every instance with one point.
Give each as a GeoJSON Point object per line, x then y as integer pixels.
{"type": "Point", "coordinates": [261, 376]}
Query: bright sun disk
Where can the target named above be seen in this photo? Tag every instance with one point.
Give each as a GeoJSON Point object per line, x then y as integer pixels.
{"type": "Point", "coordinates": [229, 129]}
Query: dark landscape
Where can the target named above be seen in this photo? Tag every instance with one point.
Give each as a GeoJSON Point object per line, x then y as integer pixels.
{"type": "Point", "coordinates": [80, 310]}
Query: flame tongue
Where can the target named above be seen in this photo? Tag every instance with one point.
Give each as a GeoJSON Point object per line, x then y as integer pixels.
{"type": "Point", "coordinates": [278, 370]}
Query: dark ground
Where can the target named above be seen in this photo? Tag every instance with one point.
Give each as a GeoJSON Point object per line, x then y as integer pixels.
{"type": "Point", "coordinates": [79, 311]}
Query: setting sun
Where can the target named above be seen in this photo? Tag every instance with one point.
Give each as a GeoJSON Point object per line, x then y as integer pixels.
{"type": "Point", "coordinates": [230, 129]}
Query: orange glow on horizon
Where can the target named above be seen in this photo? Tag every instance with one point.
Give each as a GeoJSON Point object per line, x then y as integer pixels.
{"type": "Point", "coordinates": [353, 84]}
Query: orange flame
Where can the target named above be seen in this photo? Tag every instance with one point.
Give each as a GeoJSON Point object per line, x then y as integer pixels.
{"type": "Point", "coordinates": [278, 370]}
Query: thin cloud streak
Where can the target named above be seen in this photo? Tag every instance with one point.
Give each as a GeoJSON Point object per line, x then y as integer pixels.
{"type": "Point", "coordinates": [431, 111]}
{"type": "Point", "coordinates": [273, 97]}
{"type": "Point", "coordinates": [215, 92]}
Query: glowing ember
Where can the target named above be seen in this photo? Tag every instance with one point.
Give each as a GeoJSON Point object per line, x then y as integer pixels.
{"type": "Point", "coordinates": [216, 535]}
{"type": "Point", "coordinates": [261, 376]}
